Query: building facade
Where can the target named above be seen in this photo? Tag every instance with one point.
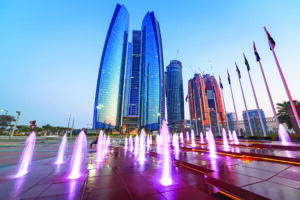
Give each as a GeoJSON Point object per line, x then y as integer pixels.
{"type": "Point", "coordinates": [174, 96]}
{"type": "Point", "coordinates": [232, 122]}
{"type": "Point", "coordinates": [255, 122]}
{"type": "Point", "coordinates": [152, 99]}
{"type": "Point", "coordinates": [127, 86]}
{"type": "Point", "coordinates": [108, 108]}
{"type": "Point", "coordinates": [205, 103]}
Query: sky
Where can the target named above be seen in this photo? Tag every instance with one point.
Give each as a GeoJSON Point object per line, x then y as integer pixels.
{"type": "Point", "coordinates": [50, 50]}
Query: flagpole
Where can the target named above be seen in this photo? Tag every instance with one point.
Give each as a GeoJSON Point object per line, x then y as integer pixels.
{"type": "Point", "coordinates": [202, 107]}
{"type": "Point", "coordinates": [225, 109]}
{"type": "Point", "coordinates": [216, 111]}
{"type": "Point", "coordinates": [245, 102]}
{"type": "Point", "coordinates": [284, 82]}
{"type": "Point", "coordinates": [268, 90]}
{"type": "Point", "coordinates": [236, 116]}
{"type": "Point", "coordinates": [208, 110]}
{"type": "Point", "coordinates": [257, 106]}
{"type": "Point", "coordinates": [195, 109]}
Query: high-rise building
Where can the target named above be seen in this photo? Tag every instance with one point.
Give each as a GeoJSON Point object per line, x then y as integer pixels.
{"type": "Point", "coordinates": [135, 74]}
{"type": "Point", "coordinates": [127, 81]}
{"type": "Point", "coordinates": [174, 96]}
{"type": "Point", "coordinates": [152, 99]}
{"type": "Point", "coordinates": [255, 122]}
{"type": "Point", "coordinates": [108, 107]}
{"type": "Point", "coordinates": [232, 122]}
{"type": "Point", "coordinates": [206, 106]}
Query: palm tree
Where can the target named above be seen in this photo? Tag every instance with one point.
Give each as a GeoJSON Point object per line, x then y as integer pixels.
{"type": "Point", "coordinates": [282, 112]}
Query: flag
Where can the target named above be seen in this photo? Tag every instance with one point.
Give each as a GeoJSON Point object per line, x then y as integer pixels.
{"type": "Point", "coordinates": [228, 77]}
{"type": "Point", "coordinates": [221, 85]}
{"type": "Point", "coordinates": [238, 71]}
{"type": "Point", "coordinates": [32, 122]}
{"type": "Point", "coordinates": [246, 63]}
{"type": "Point", "coordinates": [255, 52]}
{"type": "Point", "coordinates": [271, 40]}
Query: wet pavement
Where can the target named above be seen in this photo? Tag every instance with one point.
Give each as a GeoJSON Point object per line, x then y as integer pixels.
{"type": "Point", "coordinates": [121, 176]}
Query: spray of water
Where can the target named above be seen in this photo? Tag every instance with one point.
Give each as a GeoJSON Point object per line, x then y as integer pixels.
{"type": "Point", "coordinates": [100, 148]}
{"type": "Point", "coordinates": [136, 145]}
{"type": "Point", "coordinates": [142, 146]}
{"type": "Point", "coordinates": [201, 138]}
{"type": "Point", "coordinates": [187, 136]}
{"type": "Point", "coordinates": [235, 138]}
{"type": "Point", "coordinates": [229, 135]}
{"type": "Point", "coordinates": [158, 143]}
{"type": "Point", "coordinates": [26, 157]}
{"type": "Point", "coordinates": [175, 143]}
{"type": "Point", "coordinates": [193, 139]}
{"type": "Point", "coordinates": [78, 157]}
{"type": "Point", "coordinates": [211, 144]}
{"type": "Point", "coordinates": [225, 140]}
{"type": "Point", "coordinates": [131, 143]}
{"type": "Point", "coordinates": [126, 143]}
{"type": "Point", "coordinates": [181, 137]}
{"type": "Point", "coordinates": [166, 159]}
{"type": "Point", "coordinates": [61, 150]}
{"type": "Point", "coordinates": [283, 135]}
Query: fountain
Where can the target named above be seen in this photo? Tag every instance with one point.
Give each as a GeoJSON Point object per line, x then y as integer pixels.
{"type": "Point", "coordinates": [225, 140]}
{"type": "Point", "coordinates": [201, 138]}
{"type": "Point", "coordinates": [166, 159]}
{"type": "Point", "coordinates": [26, 156]}
{"type": "Point", "coordinates": [181, 137]}
{"type": "Point", "coordinates": [107, 143]}
{"type": "Point", "coordinates": [100, 148]}
{"type": "Point", "coordinates": [78, 157]}
{"type": "Point", "coordinates": [142, 146]}
{"type": "Point", "coordinates": [158, 143]}
{"type": "Point", "coordinates": [193, 138]}
{"type": "Point", "coordinates": [126, 143]}
{"type": "Point", "coordinates": [61, 150]}
{"type": "Point", "coordinates": [211, 144]}
{"type": "Point", "coordinates": [187, 136]}
{"type": "Point", "coordinates": [229, 135]}
{"type": "Point", "coordinates": [150, 137]}
{"type": "Point", "coordinates": [235, 138]}
{"type": "Point", "coordinates": [283, 135]}
{"type": "Point", "coordinates": [131, 143]}
{"type": "Point", "coordinates": [175, 143]}
{"type": "Point", "coordinates": [136, 145]}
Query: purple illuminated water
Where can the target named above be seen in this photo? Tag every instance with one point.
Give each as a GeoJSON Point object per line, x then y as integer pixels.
{"type": "Point", "coordinates": [126, 143]}
{"type": "Point", "coordinates": [166, 159]}
{"type": "Point", "coordinates": [235, 138]}
{"type": "Point", "coordinates": [283, 135]}
{"type": "Point", "coordinates": [78, 157]}
{"type": "Point", "coordinates": [187, 136]}
{"type": "Point", "coordinates": [131, 143]}
{"type": "Point", "coordinates": [175, 143]}
{"type": "Point", "coordinates": [225, 140]}
{"type": "Point", "coordinates": [211, 144]}
{"type": "Point", "coordinates": [229, 135]}
{"type": "Point", "coordinates": [181, 137]}
{"type": "Point", "coordinates": [61, 150]}
{"type": "Point", "coordinates": [26, 157]}
{"type": "Point", "coordinates": [100, 148]}
{"type": "Point", "coordinates": [193, 138]}
{"type": "Point", "coordinates": [142, 146]}
{"type": "Point", "coordinates": [107, 143]}
{"type": "Point", "coordinates": [136, 145]}
{"type": "Point", "coordinates": [201, 137]}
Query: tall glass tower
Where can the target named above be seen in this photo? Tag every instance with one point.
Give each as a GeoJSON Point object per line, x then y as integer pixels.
{"type": "Point", "coordinates": [108, 107]}
{"type": "Point", "coordinates": [152, 75]}
{"type": "Point", "coordinates": [127, 81]}
{"type": "Point", "coordinates": [174, 94]}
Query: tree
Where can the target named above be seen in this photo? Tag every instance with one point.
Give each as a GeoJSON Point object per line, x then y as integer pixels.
{"type": "Point", "coordinates": [282, 112]}
{"type": "Point", "coordinates": [6, 120]}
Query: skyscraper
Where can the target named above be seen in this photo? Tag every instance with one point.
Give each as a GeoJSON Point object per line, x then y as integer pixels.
{"type": "Point", "coordinates": [127, 86]}
{"type": "Point", "coordinates": [151, 75]}
{"type": "Point", "coordinates": [108, 107]}
{"type": "Point", "coordinates": [206, 107]}
{"type": "Point", "coordinates": [174, 96]}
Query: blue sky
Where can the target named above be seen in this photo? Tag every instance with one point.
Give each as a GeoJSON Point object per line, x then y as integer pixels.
{"type": "Point", "coordinates": [50, 50]}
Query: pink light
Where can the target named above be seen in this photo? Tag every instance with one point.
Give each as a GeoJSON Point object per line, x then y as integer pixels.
{"type": "Point", "coordinates": [61, 151]}
{"type": "Point", "coordinates": [225, 141]}
{"type": "Point", "coordinates": [166, 177]}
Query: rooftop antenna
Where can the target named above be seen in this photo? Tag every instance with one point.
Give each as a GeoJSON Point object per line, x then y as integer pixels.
{"type": "Point", "coordinates": [176, 54]}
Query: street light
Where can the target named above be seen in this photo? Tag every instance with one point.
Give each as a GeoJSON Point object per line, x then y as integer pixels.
{"type": "Point", "coordinates": [69, 114]}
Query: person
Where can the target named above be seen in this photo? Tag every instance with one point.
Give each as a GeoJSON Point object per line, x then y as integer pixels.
{"type": "Point", "coordinates": [94, 142]}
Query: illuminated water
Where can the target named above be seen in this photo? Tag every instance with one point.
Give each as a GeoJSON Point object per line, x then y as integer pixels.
{"type": "Point", "coordinates": [78, 157]}
{"type": "Point", "coordinates": [229, 135]}
{"type": "Point", "coordinates": [181, 137]}
{"type": "Point", "coordinates": [142, 146]}
{"type": "Point", "coordinates": [131, 143]}
{"type": "Point", "coordinates": [126, 143]}
{"type": "Point", "coordinates": [100, 148]}
{"type": "Point", "coordinates": [61, 150]}
{"type": "Point", "coordinates": [201, 138]}
{"type": "Point", "coordinates": [193, 138]}
{"type": "Point", "coordinates": [175, 142]}
{"type": "Point", "coordinates": [283, 135]}
{"type": "Point", "coordinates": [158, 143]}
{"type": "Point", "coordinates": [166, 159]}
{"type": "Point", "coordinates": [235, 138]}
{"type": "Point", "coordinates": [211, 144]}
{"type": "Point", "coordinates": [27, 154]}
{"type": "Point", "coordinates": [136, 145]}
{"type": "Point", "coordinates": [187, 136]}
{"type": "Point", "coordinates": [225, 140]}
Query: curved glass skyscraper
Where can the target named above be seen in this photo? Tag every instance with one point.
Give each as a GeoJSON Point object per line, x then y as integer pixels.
{"type": "Point", "coordinates": [151, 75]}
{"type": "Point", "coordinates": [109, 92]}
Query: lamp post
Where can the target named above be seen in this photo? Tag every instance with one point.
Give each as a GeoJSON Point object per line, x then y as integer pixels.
{"type": "Point", "coordinates": [69, 114]}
